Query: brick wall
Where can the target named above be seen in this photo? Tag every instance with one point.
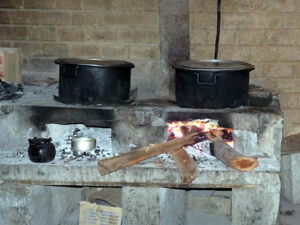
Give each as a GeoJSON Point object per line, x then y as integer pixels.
{"type": "Point", "coordinates": [262, 32]}
{"type": "Point", "coordinates": [265, 33]}
{"type": "Point", "coordinates": [110, 29]}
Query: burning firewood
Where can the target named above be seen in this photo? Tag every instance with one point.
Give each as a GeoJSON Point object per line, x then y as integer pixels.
{"type": "Point", "coordinates": [185, 163]}
{"type": "Point", "coordinates": [232, 158]}
{"type": "Point", "coordinates": [106, 166]}
{"type": "Point", "coordinates": [124, 160]}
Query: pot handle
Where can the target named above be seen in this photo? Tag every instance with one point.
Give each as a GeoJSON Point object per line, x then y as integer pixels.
{"type": "Point", "coordinates": [206, 83]}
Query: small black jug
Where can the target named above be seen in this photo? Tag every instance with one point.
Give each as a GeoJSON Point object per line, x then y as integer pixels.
{"type": "Point", "coordinates": [41, 150]}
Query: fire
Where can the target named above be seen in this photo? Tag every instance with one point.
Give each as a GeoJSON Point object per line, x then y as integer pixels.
{"type": "Point", "coordinates": [174, 130]}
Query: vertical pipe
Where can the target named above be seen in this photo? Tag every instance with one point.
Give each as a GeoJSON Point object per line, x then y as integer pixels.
{"type": "Point", "coordinates": [218, 29]}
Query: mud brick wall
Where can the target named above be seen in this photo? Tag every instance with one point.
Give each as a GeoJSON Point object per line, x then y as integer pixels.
{"type": "Point", "coordinates": [108, 29]}
{"type": "Point", "coordinates": [263, 32]}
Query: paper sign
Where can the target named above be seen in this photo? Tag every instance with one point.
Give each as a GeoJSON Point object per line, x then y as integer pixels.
{"type": "Point", "coordinates": [93, 214]}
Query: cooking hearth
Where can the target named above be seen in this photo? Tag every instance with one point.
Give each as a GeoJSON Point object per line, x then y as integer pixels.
{"type": "Point", "coordinates": [138, 124]}
{"type": "Point", "coordinates": [119, 129]}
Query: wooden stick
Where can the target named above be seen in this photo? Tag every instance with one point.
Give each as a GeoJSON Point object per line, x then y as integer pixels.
{"type": "Point", "coordinates": [186, 165]}
{"type": "Point", "coordinates": [232, 158]}
{"type": "Point", "coordinates": [106, 166]}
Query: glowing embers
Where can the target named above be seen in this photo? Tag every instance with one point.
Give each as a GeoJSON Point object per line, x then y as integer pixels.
{"type": "Point", "coordinates": [208, 130]}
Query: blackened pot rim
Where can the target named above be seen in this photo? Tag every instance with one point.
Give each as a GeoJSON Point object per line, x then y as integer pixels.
{"type": "Point", "coordinates": [213, 65]}
{"type": "Point", "coordinates": [94, 62]}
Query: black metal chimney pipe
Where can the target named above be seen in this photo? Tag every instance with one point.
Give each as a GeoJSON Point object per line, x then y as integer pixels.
{"type": "Point", "coordinates": [218, 29]}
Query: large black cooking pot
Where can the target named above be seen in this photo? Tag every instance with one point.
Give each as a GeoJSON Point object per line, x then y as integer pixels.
{"type": "Point", "coordinates": [93, 81]}
{"type": "Point", "coordinates": [212, 84]}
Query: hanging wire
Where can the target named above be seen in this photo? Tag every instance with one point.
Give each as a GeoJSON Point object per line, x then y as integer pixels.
{"type": "Point", "coordinates": [218, 29]}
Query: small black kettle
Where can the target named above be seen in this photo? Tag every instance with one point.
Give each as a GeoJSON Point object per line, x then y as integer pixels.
{"type": "Point", "coordinates": [41, 150]}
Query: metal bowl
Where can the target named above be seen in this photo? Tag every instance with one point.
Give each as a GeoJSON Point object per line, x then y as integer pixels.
{"type": "Point", "coordinates": [83, 144]}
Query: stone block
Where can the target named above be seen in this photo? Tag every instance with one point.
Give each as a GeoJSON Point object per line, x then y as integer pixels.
{"type": "Point", "coordinates": [56, 18]}
{"type": "Point", "coordinates": [19, 33]}
{"type": "Point", "coordinates": [54, 49]}
{"type": "Point", "coordinates": [203, 20]}
{"type": "Point", "coordinates": [255, 206]}
{"type": "Point", "coordinates": [288, 85]}
{"type": "Point", "coordinates": [5, 33]}
{"type": "Point", "coordinates": [4, 17]}
{"type": "Point", "coordinates": [252, 21]}
{"type": "Point", "coordinates": [251, 37]}
{"type": "Point", "coordinates": [202, 37]}
{"type": "Point", "coordinates": [143, 52]}
{"type": "Point", "coordinates": [25, 17]}
{"type": "Point", "coordinates": [196, 6]}
{"type": "Point", "coordinates": [68, 4]}
{"type": "Point", "coordinates": [117, 52]}
{"type": "Point", "coordinates": [117, 19]}
{"type": "Point", "coordinates": [251, 5]}
{"type": "Point", "coordinates": [209, 202]}
{"type": "Point", "coordinates": [274, 53]}
{"type": "Point", "coordinates": [101, 35]}
{"type": "Point", "coordinates": [5, 44]}
{"type": "Point", "coordinates": [289, 100]}
{"type": "Point", "coordinates": [85, 50]}
{"type": "Point", "coordinates": [19, 204]}
{"type": "Point", "coordinates": [145, 19]}
{"type": "Point", "coordinates": [152, 206]}
{"type": "Point", "coordinates": [34, 4]}
{"type": "Point", "coordinates": [129, 5]}
{"type": "Point", "coordinates": [42, 33]}
{"type": "Point", "coordinates": [235, 52]}
{"type": "Point", "coordinates": [28, 49]}
{"type": "Point", "coordinates": [151, 5]}
{"type": "Point", "coordinates": [202, 52]}
{"type": "Point", "coordinates": [40, 65]}
{"type": "Point", "coordinates": [134, 36]}
{"type": "Point", "coordinates": [290, 177]}
{"type": "Point", "coordinates": [284, 6]}
{"type": "Point", "coordinates": [288, 20]}
{"type": "Point", "coordinates": [280, 69]}
{"type": "Point", "coordinates": [11, 4]}
{"type": "Point", "coordinates": [85, 18]}
{"type": "Point", "coordinates": [97, 4]}
{"type": "Point", "coordinates": [71, 34]}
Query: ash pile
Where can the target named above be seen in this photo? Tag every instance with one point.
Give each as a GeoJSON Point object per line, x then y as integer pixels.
{"type": "Point", "coordinates": [62, 136]}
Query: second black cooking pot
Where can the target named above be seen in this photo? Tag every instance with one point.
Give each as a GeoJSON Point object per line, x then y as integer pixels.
{"type": "Point", "coordinates": [94, 81]}
{"type": "Point", "coordinates": [212, 84]}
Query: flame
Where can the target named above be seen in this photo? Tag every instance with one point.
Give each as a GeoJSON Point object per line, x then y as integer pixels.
{"type": "Point", "coordinates": [204, 125]}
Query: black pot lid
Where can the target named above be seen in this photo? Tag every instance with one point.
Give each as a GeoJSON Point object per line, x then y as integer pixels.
{"type": "Point", "coordinates": [94, 62]}
{"type": "Point", "coordinates": [213, 65]}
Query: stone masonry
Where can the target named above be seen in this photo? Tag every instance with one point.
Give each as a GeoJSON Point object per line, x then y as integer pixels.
{"type": "Point", "coordinates": [262, 32]}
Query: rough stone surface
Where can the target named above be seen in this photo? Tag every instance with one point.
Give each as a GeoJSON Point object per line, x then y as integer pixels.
{"type": "Point", "coordinates": [291, 177]}
{"type": "Point", "coordinates": [208, 201]}
{"type": "Point", "coordinates": [19, 205]}
{"type": "Point", "coordinates": [174, 40]}
{"type": "Point", "coordinates": [152, 206]}
{"type": "Point", "coordinates": [255, 206]}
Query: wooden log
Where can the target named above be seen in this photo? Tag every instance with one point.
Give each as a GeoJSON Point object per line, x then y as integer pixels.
{"type": "Point", "coordinates": [186, 165]}
{"type": "Point", "coordinates": [121, 161]}
{"type": "Point", "coordinates": [232, 158]}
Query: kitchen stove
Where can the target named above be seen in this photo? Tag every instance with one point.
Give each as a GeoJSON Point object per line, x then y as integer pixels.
{"type": "Point", "coordinates": [258, 127]}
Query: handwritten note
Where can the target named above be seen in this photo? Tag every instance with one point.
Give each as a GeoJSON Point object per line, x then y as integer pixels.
{"type": "Point", "coordinates": [93, 214]}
